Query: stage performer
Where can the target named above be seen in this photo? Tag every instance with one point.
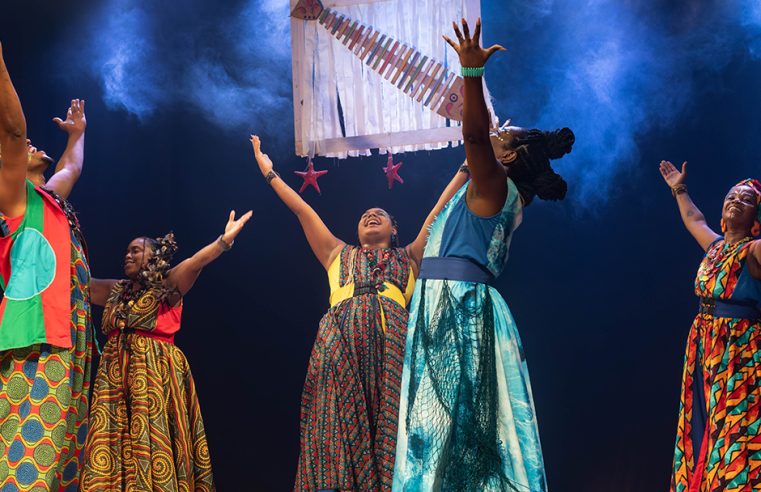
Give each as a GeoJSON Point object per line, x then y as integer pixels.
{"type": "Point", "coordinates": [45, 325]}
{"type": "Point", "coordinates": [466, 415]}
{"type": "Point", "coordinates": [718, 437]}
{"type": "Point", "coordinates": [146, 430]}
{"type": "Point", "coordinates": [351, 393]}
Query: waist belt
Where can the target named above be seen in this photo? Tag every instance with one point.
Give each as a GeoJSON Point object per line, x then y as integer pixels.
{"type": "Point", "coordinates": [149, 334]}
{"type": "Point", "coordinates": [729, 309]}
{"type": "Point", "coordinates": [386, 289]}
{"type": "Point", "coordinates": [450, 268]}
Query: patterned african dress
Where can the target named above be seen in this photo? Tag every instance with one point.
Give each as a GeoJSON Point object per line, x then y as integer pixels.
{"type": "Point", "coordinates": [351, 394]}
{"type": "Point", "coordinates": [718, 443]}
{"type": "Point", "coordinates": [44, 393]}
{"type": "Point", "coordinates": [146, 431]}
{"type": "Point", "coordinates": [466, 413]}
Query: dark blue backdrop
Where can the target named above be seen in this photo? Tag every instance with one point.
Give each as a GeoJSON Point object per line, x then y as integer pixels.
{"type": "Point", "coordinates": [600, 284]}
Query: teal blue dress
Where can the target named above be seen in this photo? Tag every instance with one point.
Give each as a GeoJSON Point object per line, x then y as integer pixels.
{"type": "Point", "coordinates": [466, 416]}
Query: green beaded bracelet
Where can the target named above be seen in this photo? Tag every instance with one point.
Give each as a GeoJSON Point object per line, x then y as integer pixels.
{"type": "Point", "coordinates": [472, 71]}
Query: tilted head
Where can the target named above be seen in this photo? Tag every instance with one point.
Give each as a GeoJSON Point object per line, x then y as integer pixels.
{"type": "Point", "coordinates": [37, 163]}
{"type": "Point", "coordinates": [526, 154]}
{"type": "Point", "coordinates": [741, 208]}
{"type": "Point", "coordinates": [147, 260]}
{"type": "Point", "coordinates": [377, 228]}
{"type": "Point", "coordinates": [139, 252]}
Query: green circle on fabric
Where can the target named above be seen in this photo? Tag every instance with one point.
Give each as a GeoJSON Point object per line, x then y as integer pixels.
{"type": "Point", "coordinates": [63, 394]}
{"type": "Point", "coordinates": [33, 266]}
{"type": "Point", "coordinates": [9, 428]}
{"type": "Point", "coordinates": [54, 371]}
{"type": "Point", "coordinates": [17, 388]}
{"type": "Point", "coordinates": [5, 409]}
{"type": "Point", "coordinates": [50, 412]}
{"type": "Point", "coordinates": [58, 435]}
{"type": "Point", "coordinates": [3, 469]}
{"type": "Point", "coordinates": [44, 454]}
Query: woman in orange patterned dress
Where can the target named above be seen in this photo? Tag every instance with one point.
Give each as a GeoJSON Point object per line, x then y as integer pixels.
{"type": "Point", "coordinates": [146, 431]}
{"type": "Point", "coordinates": [718, 444]}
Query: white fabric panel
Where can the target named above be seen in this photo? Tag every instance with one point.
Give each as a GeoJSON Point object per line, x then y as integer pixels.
{"type": "Point", "coordinates": [329, 72]}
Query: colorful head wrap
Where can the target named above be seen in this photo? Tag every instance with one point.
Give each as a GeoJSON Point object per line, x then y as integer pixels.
{"type": "Point", "coordinates": [754, 185]}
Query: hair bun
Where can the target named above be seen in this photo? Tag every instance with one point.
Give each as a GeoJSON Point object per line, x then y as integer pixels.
{"type": "Point", "coordinates": [559, 142]}
{"type": "Point", "coordinates": [550, 186]}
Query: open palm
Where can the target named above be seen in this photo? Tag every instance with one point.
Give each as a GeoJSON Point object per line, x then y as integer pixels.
{"type": "Point", "coordinates": [671, 175]}
{"type": "Point", "coordinates": [234, 226]}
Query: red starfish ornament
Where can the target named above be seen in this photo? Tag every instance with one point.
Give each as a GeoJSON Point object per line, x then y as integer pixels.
{"type": "Point", "coordinates": [392, 171]}
{"type": "Point", "coordinates": [310, 177]}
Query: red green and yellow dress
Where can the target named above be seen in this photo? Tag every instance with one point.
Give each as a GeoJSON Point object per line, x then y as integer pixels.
{"type": "Point", "coordinates": [45, 346]}
{"type": "Point", "coordinates": [718, 444]}
{"type": "Point", "coordinates": [146, 431]}
{"type": "Point", "coordinates": [349, 407]}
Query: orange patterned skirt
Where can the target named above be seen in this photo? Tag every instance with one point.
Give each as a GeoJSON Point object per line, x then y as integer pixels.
{"type": "Point", "coordinates": [146, 431]}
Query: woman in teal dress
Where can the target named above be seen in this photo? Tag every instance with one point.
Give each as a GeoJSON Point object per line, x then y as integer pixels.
{"type": "Point", "coordinates": [466, 416]}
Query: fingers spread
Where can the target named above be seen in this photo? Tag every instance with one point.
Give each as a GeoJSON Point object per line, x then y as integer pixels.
{"type": "Point", "coordinates": [465, 28]}
{"type": "Point", "coordinates": [457, 32]}
{"type": "Point", "coordinates": [494, 49]}
{"type": "Point", "coordinates": [477, 32]}
{"type": "Point", "coordinates": [451, 43]}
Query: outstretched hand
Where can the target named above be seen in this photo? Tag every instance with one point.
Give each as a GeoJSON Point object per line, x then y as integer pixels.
{"type": "Point", "coordinates": [263, 160]}
{"type": "Point", "coordinates": [469, 50]}
{"type": "Point", "coordinates": [75, 122]}
{"type": "Point", "coordinates": [671, 175]}
{"type": "Point", "coordinates": [234, 226]}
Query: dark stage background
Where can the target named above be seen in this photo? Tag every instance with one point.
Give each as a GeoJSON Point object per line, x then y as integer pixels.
{"type": "Point", "coordinates": [600, 284]}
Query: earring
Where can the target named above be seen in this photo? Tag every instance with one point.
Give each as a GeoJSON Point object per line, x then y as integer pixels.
{"type": "Point", "coordinates": [723, 226]}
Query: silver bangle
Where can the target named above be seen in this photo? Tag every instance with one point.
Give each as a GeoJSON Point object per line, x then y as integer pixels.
{"type": "Point", "coordinates": [223, 244]}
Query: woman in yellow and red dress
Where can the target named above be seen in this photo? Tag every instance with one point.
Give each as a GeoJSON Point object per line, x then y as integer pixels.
{"type": "Point", "coordinates": [350, 402]}
{"type": "Point", "coordinates": [718, 444]}
{"type": "Point", "coordinates": [146, 430]}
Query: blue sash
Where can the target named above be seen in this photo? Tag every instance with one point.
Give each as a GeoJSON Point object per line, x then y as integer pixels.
{"type": "Point", "coordinates": [451, 268]}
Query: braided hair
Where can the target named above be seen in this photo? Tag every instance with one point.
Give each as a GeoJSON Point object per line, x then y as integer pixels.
{"type": "Point", "coordinates": [531, 171]}
{"type": "Point", "coordinates": [153, 273]}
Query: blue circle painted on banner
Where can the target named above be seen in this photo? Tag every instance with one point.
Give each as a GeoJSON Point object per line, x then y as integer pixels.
{"type": "Point", "coordinates": [33, 265]}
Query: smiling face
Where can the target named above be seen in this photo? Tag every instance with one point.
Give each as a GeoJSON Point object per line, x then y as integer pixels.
{"type": "Point", "coordinates": [740, 208]}
{"type": "Point", "coordinates": [375, 228]}
{"type": "Point", "coordinates": [138, 253]}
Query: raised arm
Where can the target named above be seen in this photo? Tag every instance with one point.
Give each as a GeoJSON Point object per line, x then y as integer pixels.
{"type": "Point", "coordinates": [183, 276]}
{"type": "Point", "coordinates": [488, 189]}
{"type": "Point", "coordinates": [69, 166]}
{"type": "Point", "coordinates": [324, 244]}
{"type": "Point", "coordinates": [693, 218]}
{"type": "Point", "coordinates": [14, 153]}
{"type": "Point", "coordinates": [100, 288]}
{"type": "Point", "coordinates": [416, 247]}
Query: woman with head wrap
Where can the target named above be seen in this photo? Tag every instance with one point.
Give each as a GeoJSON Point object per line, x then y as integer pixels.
{"type": "Point", "coordinates": [351, 394]}
{"type": "Point", "coordinates": [466, 415]}
{"type": "Point", "coordinates": [146, 430]}
{"type": "Point", "coordinates": [718, 439]}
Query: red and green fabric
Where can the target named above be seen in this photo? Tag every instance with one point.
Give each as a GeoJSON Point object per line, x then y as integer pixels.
{"type": "Point", "coordinates": [34, 275]}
